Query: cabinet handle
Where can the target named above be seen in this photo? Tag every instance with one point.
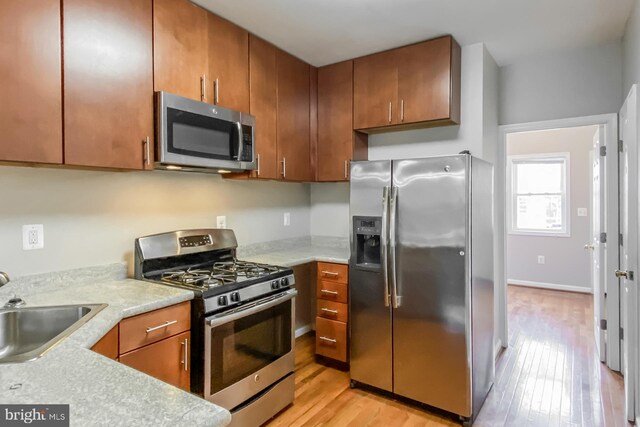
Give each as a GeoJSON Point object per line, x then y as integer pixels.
{"type": "Point", "coordinates": [258, 172]}
{"type": "Point", "coordinates": [164, 325]}
{"type": "Point", "coordinates": [185, 354]}
{"type": "Point", "coordinates": [402, 110]}
{"type": "Point", "coordinates": [389, 111]}
{"type": "Point", "coordinates": [331, 340]}
{"type": "Point", "coordinates": [216, 86]}
{"type": "Point", "coordinates": [203, 88]}
{"type": "Point", "coordinates": [328, 310]}
{"type": "Point", "coordinates": [326, 291]}
{"type": "Point", "coordinates": [147, 152]}
{"type": "Point", "coordinates": [346, 169]}
{"type": "Point", "coordinates": [330, 273]}
{"type": "Point", "coordinates": [284, 167]}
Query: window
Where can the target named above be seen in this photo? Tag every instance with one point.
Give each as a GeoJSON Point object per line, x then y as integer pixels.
{"type": "Point", "coordinates": [539, 194]}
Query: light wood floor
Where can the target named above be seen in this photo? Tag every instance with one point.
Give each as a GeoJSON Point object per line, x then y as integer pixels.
{"type": "Point", "coordinates": [549, 376]}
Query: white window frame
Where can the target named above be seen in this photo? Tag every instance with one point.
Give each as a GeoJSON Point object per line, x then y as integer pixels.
{"type": "Point", "coordinates": [566, 199]}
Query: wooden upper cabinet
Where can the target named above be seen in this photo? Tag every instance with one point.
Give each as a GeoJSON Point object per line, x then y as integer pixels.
{"type": "Point", "coordinates": [335, 121]}
{"type": "Point", "coordinates": [263, 105]}
{"type": "Point", "coordinates": [375, 90]}
{"type": "Point", "coordinates": [408, 86]}
{"type": "Point", "coordinates": [30, 92]}
{"type": "Point", "coordinates": [429, 82]}
{"type": "Point", "coordinates": [108, 83]}
{"type": "Point", "coordinates": [293, 118]}
{"type": "Point", "coordinates": [180, 49]}
{"type": "Point", "coordinates": [228, 64]}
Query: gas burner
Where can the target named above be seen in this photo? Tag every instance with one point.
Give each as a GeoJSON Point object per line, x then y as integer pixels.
{"type": "Point", "coordinates": [197, 277]}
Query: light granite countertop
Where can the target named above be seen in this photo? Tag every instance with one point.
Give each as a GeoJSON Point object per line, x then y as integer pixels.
{"type": "Point", "coordinates": [292, 252]}
{"type": "Point", "coordinates": [100, 391]}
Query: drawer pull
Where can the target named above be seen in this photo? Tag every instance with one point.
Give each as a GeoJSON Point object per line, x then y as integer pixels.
{"type": "Point", "coordinates": [328, 310]}
{"type": "Point", "coordinates": [331, 340]}
{"type": "Point", "coordinates": [330, 273]}
{"type": "Point", "coordinates": [164, 325]}
{"type": "Point", "coordinates": [326, 291]}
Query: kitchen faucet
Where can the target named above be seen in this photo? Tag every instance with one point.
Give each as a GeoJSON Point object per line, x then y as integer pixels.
{"type": "Point", "coordinates": [14, 302]}
{"type": "Point", "coordinates": [4, 278]}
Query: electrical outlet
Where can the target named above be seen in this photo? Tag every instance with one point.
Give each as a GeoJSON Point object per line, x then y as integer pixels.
{"type": "Point", "coordinates": [582, 211]}
{"type": "Point", "coordinates": [221, 221]}
{"type": "Point", "coordinates": [287, 219]}
{"type": "Point", "coordinates": [32, 237]}
{"type": "Point", "coordinates": [540, 259]}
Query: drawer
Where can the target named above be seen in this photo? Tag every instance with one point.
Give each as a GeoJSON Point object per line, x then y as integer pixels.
{"type": "Point", "coordinates": [331, 291]}
{"type": "Point", "coordinates": [331, 339]}
{"type": "Point", "coordinates": [332, 310]}
{"type": "Point", "coordinates": [147, 328]}
{"type": "Point", "coordinates": [333, 272]}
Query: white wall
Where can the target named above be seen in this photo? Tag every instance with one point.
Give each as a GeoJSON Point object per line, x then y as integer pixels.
{"type": "Point", "coordinates": [330, 209]}
{"type": "Point", "coordinates": [566, 261]}
{"type": "Point", "coordinates": [575, 83]}
{"type": "Point", "coordinates": [631, 50]}
{"type": "Point", "coordinates": [92, 217]}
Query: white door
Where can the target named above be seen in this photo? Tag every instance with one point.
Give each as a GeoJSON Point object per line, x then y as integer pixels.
{"type": "Point", "coordinates": [597, 250]}
{"type": "Point", "coordinates": [628, 247]}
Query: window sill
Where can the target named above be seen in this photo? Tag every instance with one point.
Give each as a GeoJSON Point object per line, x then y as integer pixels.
{"type": "Point", "coordinates": [539, 234]}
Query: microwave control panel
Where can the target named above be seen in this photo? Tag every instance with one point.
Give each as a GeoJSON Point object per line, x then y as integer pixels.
{"type": "Point", "coordinates": [247, 144]}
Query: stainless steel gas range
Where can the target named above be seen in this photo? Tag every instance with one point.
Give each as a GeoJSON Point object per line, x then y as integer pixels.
{"type": "Point", "coordinates": [242, 320]}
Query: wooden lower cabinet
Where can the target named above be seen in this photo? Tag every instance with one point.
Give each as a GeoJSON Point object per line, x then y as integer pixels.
{"type": "Point", "coordinates": [166, 360]}
{"type": "Point", "coordinates": [332, 311]}
{"type": "Point", "coordinates": [108, 344]}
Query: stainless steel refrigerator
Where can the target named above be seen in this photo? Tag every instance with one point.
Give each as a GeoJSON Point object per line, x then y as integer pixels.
{"type": "Point", "coordinates": [421, 280]}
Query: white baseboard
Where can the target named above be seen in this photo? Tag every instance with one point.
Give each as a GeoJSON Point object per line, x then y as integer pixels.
{"type": "Point", "coordinates": [553, 286]}
{"type": "Point", "coordinates": [497, 349]}
{"type": "Point", "coordinates": [303, 330]}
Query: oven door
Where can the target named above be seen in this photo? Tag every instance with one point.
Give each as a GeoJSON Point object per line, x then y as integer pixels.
{"type": "Point", "coordinates": [197, 134]}
{"type": "Point", "coordinates": [248, 349]}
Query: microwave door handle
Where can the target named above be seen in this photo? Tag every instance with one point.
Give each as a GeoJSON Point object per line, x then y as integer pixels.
{"type": "Point", "coordinates": [239, 126]}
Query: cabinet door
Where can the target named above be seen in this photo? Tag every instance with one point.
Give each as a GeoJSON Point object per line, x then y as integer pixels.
{"type": "Point", "coordinates": [31, 90]}
{"type": "Point", "coordinates": [263, 105]}
{"type": "Point", "coordinates": [180, 49]}
{"type": "Point", "coordinates": [228, 64]}
{"type": "Point", "coordinates": [335, 121]}
{"type": "Point", "coordinates": [375, 90]}
{"type": "Point", "coordinates": [427, 81]}
{"type": "Point", "coordinates": [166, 360]}
{"type": "Point", "coordinates": [108, 83]}
{"type": "Point", "coordinates": [293, 118]}
{"type": "Point", "coordinates": [108, 344]}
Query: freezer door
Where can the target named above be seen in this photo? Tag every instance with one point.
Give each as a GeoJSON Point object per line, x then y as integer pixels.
{"type": "Point", "coordinates": [430, 342]}
{"type": "Point", "coordinates": [370, 317]}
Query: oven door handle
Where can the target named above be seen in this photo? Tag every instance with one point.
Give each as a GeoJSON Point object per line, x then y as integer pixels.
{"type": "Point", "coordinates": [253, 308]}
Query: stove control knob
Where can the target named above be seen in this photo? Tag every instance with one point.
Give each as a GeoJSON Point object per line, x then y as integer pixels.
{"type": "Point", "coordinates": [222, 300]}
{"type": "Point", "coordinates": [235, 297]}
{"type": "Point", "coordinates": [284, 282]}
{"type": "Point", "coordinates": [275, 284]}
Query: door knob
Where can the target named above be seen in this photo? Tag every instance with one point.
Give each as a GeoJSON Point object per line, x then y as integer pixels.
{"type": "Point", "coordinates": [589, 247]}
{"type": "Point", "coordinates": [624, 273]}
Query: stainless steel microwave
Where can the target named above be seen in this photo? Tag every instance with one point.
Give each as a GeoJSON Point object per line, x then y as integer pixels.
{"type": "Point", "coordinates": [200, 137]}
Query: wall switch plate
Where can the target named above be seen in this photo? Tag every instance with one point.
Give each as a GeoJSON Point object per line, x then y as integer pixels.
{"type": "Point", "coordinates": [582, 211]}
{"type": "Point", "coordinates": [287, 219]}
{"type": "Point", "coordinates": [221, 221]}
{"type": "Point", "coordinates": [32, 237]}
{"type": "Point", "coordinates": [540, 259]}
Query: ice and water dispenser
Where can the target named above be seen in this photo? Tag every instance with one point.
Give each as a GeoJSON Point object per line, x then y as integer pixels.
{"type": "Point", "coordinates": [367, 231]}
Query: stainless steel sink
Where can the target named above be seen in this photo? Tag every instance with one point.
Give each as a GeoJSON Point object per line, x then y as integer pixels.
{"type": "Point", "coordinates": [27, 333]}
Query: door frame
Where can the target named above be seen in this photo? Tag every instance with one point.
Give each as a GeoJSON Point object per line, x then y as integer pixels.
{"type": "Point", "coordinates": [610, 123]}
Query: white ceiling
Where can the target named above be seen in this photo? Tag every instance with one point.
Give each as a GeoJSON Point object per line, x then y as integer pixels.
{"type": "Point", "coordinates": [326, 31]}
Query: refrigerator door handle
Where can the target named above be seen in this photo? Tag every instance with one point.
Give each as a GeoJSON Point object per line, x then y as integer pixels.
{"type": "Point", "coordinates": [385, 242]}
{"type": "Point", "coordinates": [396, 300]}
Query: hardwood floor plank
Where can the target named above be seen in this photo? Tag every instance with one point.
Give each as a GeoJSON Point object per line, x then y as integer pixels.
{"type": "Point", "coordinates": [550, 375]}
